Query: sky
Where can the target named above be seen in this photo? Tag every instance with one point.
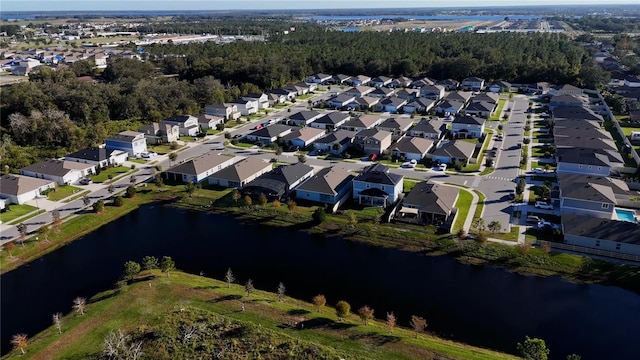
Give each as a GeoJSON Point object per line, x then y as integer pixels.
{"type": "Point", "coordinates": [92, 5]}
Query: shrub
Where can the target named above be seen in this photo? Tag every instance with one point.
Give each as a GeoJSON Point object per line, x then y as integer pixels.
{"type": "Point", "coordinates": [234, 141]}
{"type": "Point", "coordinates": [220, 127]}
{"type": "Point", "coordinates": [526, 141]}
{"type": "Point", "coordinates": [227, 135]}
{"type": "Point", "coordinates": [118, 201]}
{"type": "Point", "coordinates": [133, 166]}
{"type": "Point", "coordinates": [319, 215]}
{"type": "Point", "coordinates": [131, 191]}
{"type": "Point", "coordinates": [173, 145]}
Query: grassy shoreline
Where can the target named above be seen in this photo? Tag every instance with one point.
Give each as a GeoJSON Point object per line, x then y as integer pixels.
{"type": "Point", "coordinates": [155, 309]}
{"type": "Point", "coordinates": [352, 223]}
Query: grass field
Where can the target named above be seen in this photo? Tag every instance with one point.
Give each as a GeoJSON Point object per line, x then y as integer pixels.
{"type": "Point", "coordinates": [462, 204]}
{"type": "Point", "coordinates": [496, 115]}
{"type": "Point", "coordinates": [114, 171]}
{"type": "Point", "coordinates": [161, 307]}
{"type": "Point", "coordinates": [164, 149]}
{"type": "Point", "coordinates": [62, 192]}
{"type": "Point", "coordinates": [15, 211]}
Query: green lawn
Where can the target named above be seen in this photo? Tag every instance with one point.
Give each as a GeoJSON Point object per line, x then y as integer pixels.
{"type": "Point", "coordinates": [462, 204]}
{"type": "Point", "coordinates": [187, 138]}
{"type": "Point", "coordinates": [496, 115]}
{"type": "Point", "coordinates": [535, 164]}
{"type": "Point", "coordinates": [15, 211]}
{"type": "Point", "coordinates": [509, 236]}
{"type": "Point", "coordinates": [78, 195]}
{"type": "Point", "coordinates": [62, 192]}
{"type": "Point", "coordinates": [212, 131]}
{"type": "Point", "coordinates": [244, 145]}
{"type": "Point", "coordinates": [628, 161]}
{"type": "Point", "coordinates": [104, 174]}
{"type": "Point", "coordinates": [140, 161]}
{"type": "Point", "coordinates": [163, 149]}
{"type": "Point", "coordinates": [305, 97]}
{"type": "Point", "coordinates": [407, 185]}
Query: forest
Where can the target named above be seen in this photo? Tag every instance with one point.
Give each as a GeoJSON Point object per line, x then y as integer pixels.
{"type": "Point", "coordinates": [54, 112]}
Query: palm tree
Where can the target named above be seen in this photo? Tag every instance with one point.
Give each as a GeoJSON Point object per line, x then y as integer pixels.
{"type": "Point", "coordinates": [19, 341]}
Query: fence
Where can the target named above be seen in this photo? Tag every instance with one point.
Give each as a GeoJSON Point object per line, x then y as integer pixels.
{"type": "Point", "coordinates": [586, 250]}
{"type": "Point", "coordinates": [615, 123]}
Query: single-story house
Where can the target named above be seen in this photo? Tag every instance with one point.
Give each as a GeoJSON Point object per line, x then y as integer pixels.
{"type": "Point", "coordinates": [364, 103]}
{"type": "Point", "coordinates": [279, 182]}
{"type": "Point", "coordinates": [453, 151]}
{"type": "Point", "coordinates": [226, 111]}
{"type": "Point", "coordinates": [199, 168]}
{"type": "Point", "coordinates": [420, 105]}
{"type": "Point", "coordinates": [609, 235]}
{"type": "Point", "coordinates": [473, 83]}
{"type": "Point", "coordinates": [429, 129]}
{"type": "Point", "coordinates": [19, 189]}
{"type": "Point", "coordinates": [566, 89]}
{"type": "Point", "coordinates": [392, 104]}
{"type": "Point", "coordinates": [373, 141]}
{"type": "Point", "coordinates": [587, 196]}
{"type": "Point", "coordinates": [566, 100]}
{"type": "Point", "coordinates": [575, 112]}
{"type": "Point", "coordinates": [376, 186]}
{"type": "Point", "coordinates": [489, 97]}
{"type": "Point", "coordinates": [467, 126]}
{"type": "Point", "coordinates": [480, 108]}
{"type": "Point", "coordinates": [398, 126]}
{"type": "Point", "coordinates": [206, 121]}
{"type": "Point", "coordinates": [240, 173]}
{"type": "Point", "coordinates": [288, 93]}
{"type": "Point", "coordinates": [334, 142]}
{"type": "Point", "coordinates": [449, 84]}
{"type": "Point", "coordinates": [449, 107]}
{"type": "Point", "coordinates": [500, 86]}
{"type": "Point", "coordinates": [359, 91]}
{"type": "Point", "coordinates": [187, 124]}
{"type": "Point", "coordinates": [320, 78]}
{"type": "Point", "coordinates": [412, 148]}
{"type": "Point", "coordinates": [588, 161]}
{"type": "Point", "coordinates": [276, 98]}
{"type": "Point", "coordinates": [132, 142]}
{"type": "Point", "coordinates": [360, 80]}
{"type": "Point", "coordinates": [297, 89]}
{"type": "Point", "coordinates": [328, 186]}
{"type": "Point", "coordinates": [340, 79]}
{"type": "Point", "coordinates": [98, 156]}
{"type": "Point", "coordinates": [420, 83]}
{"type": "Point", "coordinates": [331, 120]}
{"type": "Point", "coordinates": [382, 93]}
{"type": "Point", "coordinates": [460, 96]}
{"type": "Point", "coordinates": [365, 121]}
{"type": "Point", "coordinates": [304, 117]}
{"type": "Point", "coordinates": [61, 171]}
{"type": "Point", "coordinates": [342, 100]}
{"type": "Point", "coordinates": [401, 81]}
{"type": "Point", "coordinates": [381, 81]}
{"type": "Point", "coordinates": [408, 94]}
{"type": "Point", "coordinates": [428, 203]}
{"type": "Point", "coordinates": [160, 133]}
{"type": "Point", "coordinates": [304, 137]}
{"type": "Point", "coordinates": [269, 134]}
{"type": "Point", "coordinates": [434, 92]}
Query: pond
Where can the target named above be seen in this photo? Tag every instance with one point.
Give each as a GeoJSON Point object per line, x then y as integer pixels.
{"type": "Point", "coordinates": [483, 306]}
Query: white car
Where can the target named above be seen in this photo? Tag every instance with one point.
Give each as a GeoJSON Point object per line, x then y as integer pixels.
{"type": "Point", "coordinates": [442, 167]}
{"type": "Point", "coordinates": [538, 171]}
{"type": "Point", "coordinates": [543, 224]}
{"type": "Point", "coordinates": [543, 205]}
{"type": "Point", "coordinates": [147, 155]}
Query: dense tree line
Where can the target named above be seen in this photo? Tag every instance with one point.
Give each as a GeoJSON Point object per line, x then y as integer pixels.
{"type": "Point", "coordinates": [227, 25]}
{"type": "Point", "coordinates": [602, 23]}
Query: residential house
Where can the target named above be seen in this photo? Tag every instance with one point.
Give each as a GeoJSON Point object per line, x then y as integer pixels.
{"type": "Point", "coordinates": [587, 161]}
{"type": "Point", "coordinates": [601, 234]}
{"type": "Point", "coordinates": [392, 104]}
{"type": "Point", "coordinates": [480, 108]}
{"type": "Point", "coordinates": [24, 66]}
{"type": "Point", "coordinates": [632, 81]}
{"type": "Point", "coordinates": [408, 94]}
{"type": "Point", "coordinates": [539, 88]}
{"type": "Point", "coordinates": [398, 126]}
{"type": "Point", "coordinates": [298, 89]}
{"type": "Point", "coordinates": [359, 91]}
{"type": "Point", "coordinates": [98, 156]}
{"type": "Point", "coordinates": [566, 89]}
{"type": "Point", "coordinates": [132, 142]}
{"type": "Point", "coordinates": [206, 121]}
{"type": "Point", "coordinates": [303, 137]}
{"type": "Point", "coordinates": [619, 187]}
{"type": "Point", "coordinates": [419, 105]}
{"type": "Point", "coordinates": [341, 79]}
{"type": "Point", "coordinates": [412, 148]}
{"type": "Point", "coordinates": [280, 182]}
{"type": "Point", "coordinates": [304, 117]}
{"type": "Point", "coordinates": [376, 186]}
{"type": "Point", "coordinates": [434, 92]}
{"type": "Point", "coordinates": [61, 171]}
{"type": "Point", "coordinates": [276, 99]}
{"type": "Point", "coordinates": [365, 103]}
{"type": "Point", "coordinates": [380, 81]}
{"type": "Point", "coordinates": [566, 100]}
{"type": "Point", "coordinates": [362, 122]}
{"type": "Point", "coordinates": [401, 82]}
{"type": "Point", "coordinates": [429, 203]}
{"type": "Point", "coordinates": [588, 199]}
{"type": "Point", "coordinates": [575, 112]}
{"type": "Point", "coordinates": [227, 111]}
{"type": "Point", "coordinates": [473, 84]}
{"type": "Point", "coordinates": [269, 134]}
{"type": "Point", "coordinates": [450, 152]}
{"type": "Point", "coordinates": [310, 87]}
{"type": "Point", "coordinates": [246, 106]}
{"type": "Point", "coordinates": [588, 139]}
{"type": "Point", "coordinates": [467, 126]}
{"type": "Point", "coordinates": [334, 142]}
{"type": "Point", "coordinates": [288, 93]}
{"type": "Point", "coordinates": [237, 175]}
{"type": "Point", "coordinates": [434, 129]}
{"type": "Point", "coordinates": [262, 98]}
{"type": "Point", "coordinates": [489, 97]}
{"type": "Point", "coordinates": [360, 80]}
{"type": "Point", "coordinates": [331, 120]}
{"type": "Point", "coordinates": [459, 96]}
{"type": "Point", "coordinates": [449, 84]}
{"type": "Point", "coordinates": [17, 189]}
{"type": "Point", "coordinates": [500, 87]}
{"type": "Point", "coordinates": [332, 186]}
{"type": "Point", "coordinates": [320, 78]}
{"type": "Point", "coordinates": [199, 168]}
{"type": "Point", "coordinates": [99, 60]}
{"type": "Point", "coordinates": [373, 141]}
{"type": "Point", "coordinates": [340, 101]}
{"type": "Point", "coordinates": [187, 124]}
{"type": "Point", "coordinates": [420, 83]}
{"type": "Point", "coordinates": [382, 92]}
{"type": "Point", "coordinates": [160, 133]}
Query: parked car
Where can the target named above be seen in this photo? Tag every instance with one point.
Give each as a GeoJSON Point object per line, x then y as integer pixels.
{"type": "Point", "coordinates": [85, 181]}
{"type": "Point", "coordinates": [538, 171]}
{"type": "Point", "coordinates": [543, 224]}
{"type": "Point", "coordinates": [543, 205]}
{"type": "Point", "coordinates": [442, 167]}
{"type": "Point", "coordinates": [532, 219]}
{"type": "Point", "coordinates": [373, 157]}
{"type": "Point", "coordinates": [148, 155]}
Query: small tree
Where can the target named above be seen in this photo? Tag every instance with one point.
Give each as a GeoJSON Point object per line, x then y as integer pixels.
{"type": "Point", "coordinates": [79, 305]}
{"type": "Point", "coordinates": [281, 290]}
{"type": "Point", "coordinates": [478, 225]}
{"type": "Point", "coordinates": [494, 226]}
{"type": "Point", "coordinates": [247, 201]}
{"type": "Point", "coordinates": [366, 314]}
{"type": "Point", "coordinates": [236, 195]}
{"type": "Point", "coordinates": [132, 179]}
{"type": "Point", "coordinates": [131, 191]}
{"type": "Point", "coordinates": [248, 287]}
{"type": "Point", "coordinates": [319, 301]}
{"type": "Point", "coordinates": [302, 158]}
{"type": "Point", "coordinates": [292, 206]}
{"type": "Point", "coordinates": [276, 203]}
{"type": "Point", "coordinates": [57, 220]}
{"type": "Point", "coordinates": [391, 321]}
{"type": "Point", "coordinates": [352, 218]}
{"type": "Point", "coordinates": [86, 201]}
{"type": "Point", "coordinates": [150, 262]}
{"type": "Point", "coordinates": [533, 349]}
{"type": "Point", "coordinates": [98, 206]}
{"type": "Point", "coordinates": [173, 157]}
{"type": "Point", "coordinates": [190, 188]}
{"type": "Point", "coordinates": [229, 278]}
{"type": "Point", "coordinates": [57, 321]}
{"type": "Point", "coordinates": [9, 247]}
{"type": "Point", "coordinates": [158, 180]}
{"type": "Point", "coordinates": [167, 265]}
{"type": "Point", "coordinates": [342, 309]}
{"type": "Point", "coordinates": [418, 324]}
{"type": "Point", "coordinates": [319, 215]}
{"type": "Point", "coordinates": [44, 231]}
{"type": "Point", "coordinates": [20, 341]}
{"type": "Point", "coordinates": [111, 189]}
{"type": "Point", "coordinates": [22, 230]}
{"type": "Point", "coordinates": [131, 269]}
{"type": "Point", "coordinates": [118, 201]}
{"type": "Point", "coordinates": [173, 145]}
{"type": "Point", "coordinates": [522, 183]}
{"type": "Point", "coordinates": [500, 127]}
{"type": "Point", "coordinates": [263, 199]}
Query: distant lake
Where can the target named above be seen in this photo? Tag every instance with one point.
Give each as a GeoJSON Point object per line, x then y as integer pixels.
{"type": "Point", "coordinates": [423, 17]}
{"type": "Point", "coordinates": [483, 306]}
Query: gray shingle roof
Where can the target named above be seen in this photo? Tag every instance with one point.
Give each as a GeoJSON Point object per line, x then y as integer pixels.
{"type": "Point", "coordinates": [378, 174]}
{"type": "Point", "coordinates": [304, 115]}
{"type": "Point", "coordinates": [328, 181]}
{"type": "Point", "coordinates": [56, 167]}
{"type": "Point", "coordinates": [413, 145]}
{"type": "Point", "coordinates": [456, 149]}
{"type": "Point", "coordinates": [92, 154]}
{"type": "Point", "coordinates": [333, 118]}
{"type": "Point", "coordinates": [17, 185]}
{"type": "Point", "coordinates": [200, 164]}
{"type": "Point", "coordinates": [432, 198]}
{"type": "Point", "coordinates": [272, 131]}
{"type": "Point", "coordinates": [241, 170]}
{"type": "Point", "coordinates": [602, 229]}
{"type": "Point", "coordinates": [470, 120]}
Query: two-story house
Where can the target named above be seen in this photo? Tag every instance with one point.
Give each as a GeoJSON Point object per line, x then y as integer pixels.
{"type": "Point", "coordinates": [587, 199]}
{"type": "Point", "coordinates": [412, 148]}
{"type": "Point", "coordinates": [187, 124]}
{"type": "Point", "coordinates": [160, 133]}
{"type": "Point", "coordinates": [376, 186]}
{"type": "Point", "coordinates": [473, 84]}
{"type": "Point", "coordinates": [330, 121]}
{"type": "Point", "coordinates": [467, 126]}
{"type": "Point", "coordinates": [246, 106]}
{"type": "Point", "coordinates": [398, 126]}
{"type": "Point", "coordinates": [373, 141]}
{"type": "Point", "coordinates": [364, 121]}
{"type": "Point", "coordinates": [434, 129]}
{"type": "Point", "coordinates": [262, 98]}
{"type": "Point", "coordinates": [132, 142]}
{"type": "Point", "coordinates": [566, 89]}
{"type": "Point", "coordinates": [227, 111]}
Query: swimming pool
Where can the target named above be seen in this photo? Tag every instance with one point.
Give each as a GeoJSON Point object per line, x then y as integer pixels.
{"type": "Point", "coordinates": [625, 215]}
